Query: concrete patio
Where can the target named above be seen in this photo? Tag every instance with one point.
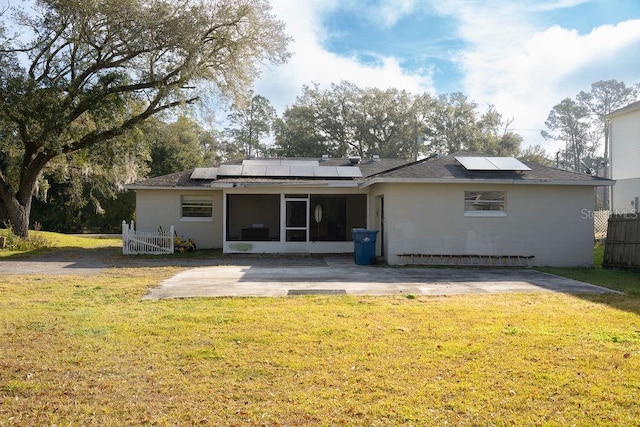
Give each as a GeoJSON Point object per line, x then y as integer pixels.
{"type": "Point", "coordinates": [339, 275]}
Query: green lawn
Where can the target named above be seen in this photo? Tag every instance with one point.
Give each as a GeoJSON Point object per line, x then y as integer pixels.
{"type": "Point", "coordinates": [87, 351]}
{"type": "Point", "coordinates": [57, 241]}
{"type": "Point", "coordinates": [621, 280]}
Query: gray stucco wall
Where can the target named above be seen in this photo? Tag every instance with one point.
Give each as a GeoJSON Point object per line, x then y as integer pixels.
{"type": "Point", "coordinates": [551, 223]}
{"type": "Point", "coordinates": [161, 208]}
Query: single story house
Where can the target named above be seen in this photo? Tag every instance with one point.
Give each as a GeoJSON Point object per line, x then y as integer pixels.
{"type": "Point", "coordinates": [456, 209]}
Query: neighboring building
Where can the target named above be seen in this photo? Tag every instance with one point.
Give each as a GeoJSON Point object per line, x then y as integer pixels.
{"type": "Point", "coordinates": [624, 140]}
{"type": "Point", "coordinates": [452, 209]}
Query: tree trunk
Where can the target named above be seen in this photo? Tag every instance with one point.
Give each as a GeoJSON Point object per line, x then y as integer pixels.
{"type": "Point", "coordinates": [18, 204]}
{"type": "Point", "coordinates": [19, 217]}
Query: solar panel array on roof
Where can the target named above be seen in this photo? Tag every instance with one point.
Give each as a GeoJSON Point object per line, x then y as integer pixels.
{"type": "Point", "coordinates": [279, 162]}
{"type": "Point", "coordinates": [492, 164]}
{"type": "Point", "coordinates": [288, 170]}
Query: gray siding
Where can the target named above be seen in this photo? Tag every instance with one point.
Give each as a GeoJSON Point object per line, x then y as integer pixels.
{"type": "Point", "coordinates": [551, 223]}
{"type": "Point", "coordinates": [161, 208]}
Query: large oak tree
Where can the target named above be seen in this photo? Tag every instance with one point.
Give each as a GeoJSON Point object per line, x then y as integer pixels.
{"type": "Point", "coordinates": [77, 73]}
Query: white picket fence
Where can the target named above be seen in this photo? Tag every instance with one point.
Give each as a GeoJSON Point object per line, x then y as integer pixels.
{"type": "Point", "coordinates": [139, 242]}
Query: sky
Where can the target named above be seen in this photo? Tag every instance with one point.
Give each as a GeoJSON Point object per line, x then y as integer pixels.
{"type": "Point", "coordinates": [521, 56]}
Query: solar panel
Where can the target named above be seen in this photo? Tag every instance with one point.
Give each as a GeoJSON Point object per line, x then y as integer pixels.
{"type": "Point", "coordinates": [254, 170]}
{"type": "Point", "coordinates": [476, 163]}
{"type": "Point", "coordinates": [492, 164]}
{"type": "Point", "coordinates": [325, 171]}
{"type": "Point", "coordinates": [349, 171]}
{"type": "Point", "coordinates": [278, 170]}
{"type": "Point", "coordinates": [279, 162]}
{"type": "Point", "coordinates": [204, 173]}
{"type": "Point", "coordinates": [230, 170]}
{"type": "Point", "coordinates": [260, 162]}
{"type": "Point", "coordinates": [509, 164]}
{"type": "Point", "coordinates": [301, 171]}
{"type": "Point", "coordinates": [299, 162]}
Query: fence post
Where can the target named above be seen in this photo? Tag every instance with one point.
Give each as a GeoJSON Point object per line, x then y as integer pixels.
{"type": "Point", "coordinates": [171, 242]}
{"type": "Point", "coordinates": [125, 238]}
{"type": "Point", "coordinates": [135, 249]}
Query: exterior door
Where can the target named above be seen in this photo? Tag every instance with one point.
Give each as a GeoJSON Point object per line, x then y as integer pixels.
{"type": "Point", "coordinates": [296, 223]}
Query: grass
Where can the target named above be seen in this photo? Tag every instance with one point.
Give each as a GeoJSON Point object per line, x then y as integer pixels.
{"type": "Point", "coordinates": [59, 241]}
{"type": "Point", "coordinates": [85, 350]}
{"type": "Point", "coordinates": [621, 280]}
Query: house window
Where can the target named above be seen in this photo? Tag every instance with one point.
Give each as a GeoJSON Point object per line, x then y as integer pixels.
{"type": "Point", "coordinates": [485, 203]}
{"type": "Point", "coordinates": [196, 207]}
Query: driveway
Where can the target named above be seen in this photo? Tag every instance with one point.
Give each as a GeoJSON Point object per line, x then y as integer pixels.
{"type": "Point", "coordinates": [338, 275]}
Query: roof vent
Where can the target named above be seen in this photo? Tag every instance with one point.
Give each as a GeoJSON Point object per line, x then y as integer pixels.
{"type": "Point", "coordinates": [354, 160]}
{"type": "Point", "coordinates": [376, 158]}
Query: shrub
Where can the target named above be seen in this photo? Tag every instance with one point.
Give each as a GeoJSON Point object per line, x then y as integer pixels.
{"type": "Point", "coordinates": [14, 242]}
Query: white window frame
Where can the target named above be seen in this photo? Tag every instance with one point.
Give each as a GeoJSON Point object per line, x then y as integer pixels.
{"type": "Point", "coordinates": [196, 201]}
{"type": "Point", "coordinates": [485, 202]}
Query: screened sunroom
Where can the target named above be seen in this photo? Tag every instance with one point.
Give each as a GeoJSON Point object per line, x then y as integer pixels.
{"type": "Point", "coordinates": [292, 222]}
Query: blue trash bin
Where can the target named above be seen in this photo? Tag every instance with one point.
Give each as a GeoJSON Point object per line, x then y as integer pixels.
{"type": "Point", "coordinates": [364, 245]}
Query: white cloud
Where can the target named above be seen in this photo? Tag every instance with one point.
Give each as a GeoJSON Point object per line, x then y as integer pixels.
{"type": "Point", "coordinates": [512, 59]}
{"type": "Point", "coordinates": [556, 4]}
{"type": "Point", "coordinates": [524, 69]}
{"type": "Point", "coordinates": [388, 12]}
{"type": "Point", "coordinates": [312, 63]}
{"type": "Point", "coordinates": [558, 63]}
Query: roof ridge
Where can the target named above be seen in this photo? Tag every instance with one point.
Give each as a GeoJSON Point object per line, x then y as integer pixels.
{"type": "Point", "coordinates": [563, 170]}
{"type": "Point", "coordinates": [406, 165]}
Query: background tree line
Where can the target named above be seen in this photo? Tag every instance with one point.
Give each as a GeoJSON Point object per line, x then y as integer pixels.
{"type": "Point", "coordinates": [348, 120]}
{"type": "Point", "coordinates": [345, 119]}
{"type": "Point", "coordinates": [84, 192]}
